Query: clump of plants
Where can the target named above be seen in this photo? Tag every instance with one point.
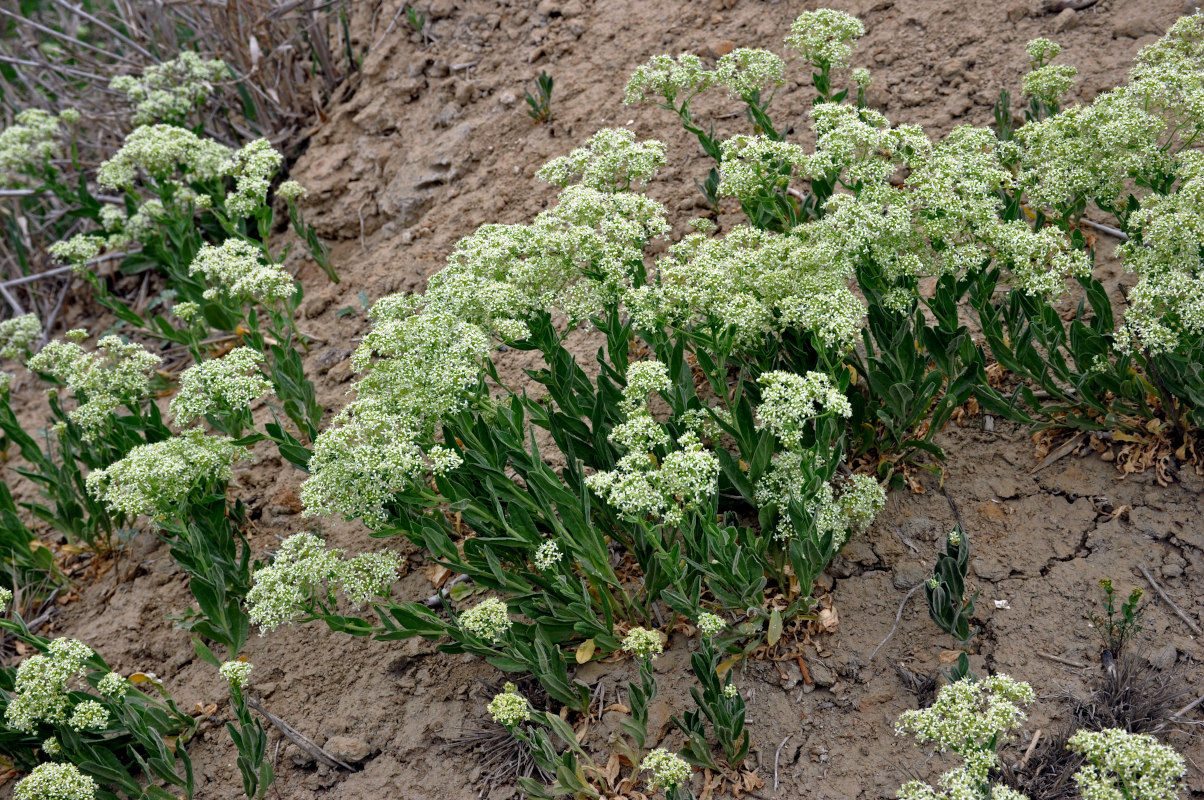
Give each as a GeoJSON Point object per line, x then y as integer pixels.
{"type": "Point", "coordinates": [972, 718]}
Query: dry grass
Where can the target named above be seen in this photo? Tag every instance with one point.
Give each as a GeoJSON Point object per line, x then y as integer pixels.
{"type": "Point", "coordinates": [291, 60]}
{"type": "Point", "coordinates": [1129, 694]}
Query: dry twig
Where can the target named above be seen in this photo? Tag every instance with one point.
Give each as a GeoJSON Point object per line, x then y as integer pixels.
{"type": "Point", "coordinates": [1194, 627]}
{"type": "Point", "coordinates": [298, 738]}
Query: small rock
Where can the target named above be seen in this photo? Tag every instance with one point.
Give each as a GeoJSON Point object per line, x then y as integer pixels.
{"type": "Point", "coordinates": [908, 574]}
{"type": "Point", "coordinates": [351, 749]}
{"type": "Point", "coordinates": [1135, 26]}
{"type": "Point", "coordinates": [1067, 20]}
{"type": "Point", "coordinates": [953, 68]}
{"type": "Point", "coordinates": [507, 99]}
{"type": "Point", "coordinates": [315, 305]}
{"type": "Point", "coordinates": [285, 502]}
{"type": "Point", "coordinates": [299, 757]}
{"type": "Point", "coordinates": [572, 9]}
{"type": "Point", "coordinates": [1173, 568]}
{"type": "Point", "coordinates": [958, 105]}
{"type": "Point", "coordinates": [1016, 11]}
{"type": "Point", "coordinates": [821, 673]}
{"type": "Point", "coordinates": [793, 676]}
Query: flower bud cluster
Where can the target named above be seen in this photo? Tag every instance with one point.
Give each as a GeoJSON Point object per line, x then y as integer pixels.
{"type": "Point", "coordinates": [17, 335]}
{"type": "Point", "coordinates": [220, 384]}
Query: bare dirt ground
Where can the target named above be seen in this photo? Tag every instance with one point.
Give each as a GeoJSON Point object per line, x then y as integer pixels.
{"type": "Point", "coordinates": [435, 142]}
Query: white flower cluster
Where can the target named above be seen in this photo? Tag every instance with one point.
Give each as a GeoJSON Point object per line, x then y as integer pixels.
{"type": "Point", "coordinates": [752, 165]}
{"type": "Point", "coordinates": [77, 250]}
{"type": "Point", "coordinates": [1047, 82]}
{"type": "Point", "coordinates": [167, 92]}
{"type": "Point", "coordinates": [710, 624]}
{"type": "Point", "coordinates": [425, 354]}
{"type": "Point", "coordinates": [611, 160]}
{"type": "Point", "coordinates": [161, 150]}
{"type": "Point", "coordinates": [509, 708]}
{"type": "Point", "coordinates": [1126, 766]}
{"type": "Point", "coordinates": [220, 383]}
{"type": "Point", "coordinates": [6, 597]}
{"type": "Point", "coordinates": [40, 690]}
{"type": "Point", "coordinates": [756, 282]}
{"type": "Point", "coordinates": [547, 555]}
{"type": "Point", "coordinates": [28, 144]}
{"type": "Point", "coordinates": [17, 335]}
{"type": "Point", "coordinates": [792, 477]}
{"type": "Point", "coordinates": [638, 486]}
{"type": "Point", "coordinates": [1168, 301]}
{"type": "Point", "coordinates": [252, 168]}
{"type": "Point", "coordinates": [971, 718]}
{"type": "Point", "coordinates": [1138, 135]}
{"type": "Point", "coordinates": [748, 72]}
{"type": "Point", "coordinates": [790, 402]}
{"type": "Point", "coordinates": [140, 226]}
{"type": "Point", "coordinates": [675, 80]}
{"type": "Point", "coordinates": [237, 269]}
{"type": "Point", "coordinates": [668, 769]}
{"type": "Point", "coordinates": [236, 673]}
{"type": "Point", "coordinates": [118, 373]}
{"type": "Point", "coordinates": [643, 643]}
{"type": "Point", "coordinates": [114, 685]}
{"type": "Point", "coordinates": [291, 190]}
{"type": "Point", "coordinates": [187, 312]}
{"type": "Point", "coordinates": [364, 458]}
{"type": "Point", "coordinates": [88, 715]}
{"type": "Point", "coordinates": [153, 479]}
{"type": "Point", "coordinates": [53, 781]}
{"type": "Point", "coordinates": [825, 37]}
{"type": "Point", "coordinates": [304, 567]}
{"type": "Point", "coordinates": [489, 619]}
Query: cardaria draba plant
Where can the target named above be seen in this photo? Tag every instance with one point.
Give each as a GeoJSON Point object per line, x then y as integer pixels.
{"type": "Point", "coordinates": [972, 719]}
{"type": "Point", "coordinates": [170, 91]}
{"type": "Point", "coordinates": [1126, 766]}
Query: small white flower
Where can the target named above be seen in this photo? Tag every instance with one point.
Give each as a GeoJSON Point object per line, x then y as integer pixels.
{"type": "Point", "coordinates": [643, 643]}
{"type": "Point", "coordinates": [548, 555]}
{"type": "Point", "coordinates": [710, 624]}
{"type": "Point", "coordinates": [236, 672]}
{"type": "Point", "coordinates": [55, 782]}
{"type": "Point", "coordinates": [668, 769]}
{"type": "Point", "coordinates": [489, 620]}
{"type": "Point", "coordinates": [89, 715]}
{"type": "Point", "coordinates": [509, 708]}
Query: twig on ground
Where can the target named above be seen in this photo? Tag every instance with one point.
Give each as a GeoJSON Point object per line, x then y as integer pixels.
{"type": "Point", "coordinates": [1064, 450]}
{"type": "Point", "coordinates": [1194, 627]}
{"type": "Point", "coordinates": [1108, 229]}
{"type": "Point", "coordinates": [1061, 660]}
{"type": "Point", "coordinates": [898, 619]}
{"type": "Point", "coordinates": [297, 738]}
{"type": "Point", "coordinates": [1181, 712]}
{"type": "Point", "coordinates": [775, 761]}
{"type": "Point", "coordinates": [1029, 752]}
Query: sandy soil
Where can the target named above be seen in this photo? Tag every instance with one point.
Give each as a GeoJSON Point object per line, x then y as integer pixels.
{"type": "Point", "coordinates": [435, 142]}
